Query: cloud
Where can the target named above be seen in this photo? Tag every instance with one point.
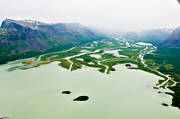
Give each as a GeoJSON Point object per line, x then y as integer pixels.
{"type": "Point", "coordinates": [102, 14]}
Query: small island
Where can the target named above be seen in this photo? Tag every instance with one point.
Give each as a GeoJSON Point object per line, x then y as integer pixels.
{"type": "Point", "coordinates": [81, 98]}
{"type": "Point", "coordinates": [66, 92]}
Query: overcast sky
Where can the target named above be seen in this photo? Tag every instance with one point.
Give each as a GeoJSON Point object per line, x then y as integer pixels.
{"type": "Point", "coordinates": [102, 14]}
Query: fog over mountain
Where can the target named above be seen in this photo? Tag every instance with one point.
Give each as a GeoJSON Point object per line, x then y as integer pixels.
{"type": "Point", "coordinates": [109, 15]}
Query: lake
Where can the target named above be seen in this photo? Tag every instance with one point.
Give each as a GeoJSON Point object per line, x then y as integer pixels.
{"type": "Point", "coordinates": [124, 94]}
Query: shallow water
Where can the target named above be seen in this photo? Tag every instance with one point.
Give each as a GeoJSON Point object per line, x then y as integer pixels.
{"type": "Point", "coordinates": [36, 94]}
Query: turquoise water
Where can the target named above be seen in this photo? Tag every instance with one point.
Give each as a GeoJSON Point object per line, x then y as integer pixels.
{"type": "Point", "coordinates": [123, 94]}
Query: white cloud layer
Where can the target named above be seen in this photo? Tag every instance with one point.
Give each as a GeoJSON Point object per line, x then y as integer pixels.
{"type": "Point", "coordinates": [103, 14]}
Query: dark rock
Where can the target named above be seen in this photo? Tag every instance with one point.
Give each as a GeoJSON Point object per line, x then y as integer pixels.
{"type": "Point", "coordinates": [66, 92]}
{"type": "Point", "coordinates": [4, 118]}
{"type": "Point", "coordinates": [127, 65]}
{"type": "Point", "coordinates": [81, 98]}
{"type": "Point", "coordinates": [164, 104]}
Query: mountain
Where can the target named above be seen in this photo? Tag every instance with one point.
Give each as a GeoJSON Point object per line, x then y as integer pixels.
{"type": "Point", "coordinates": [25, 38]}
{"type": "Point", "coordinates": [153, 36]}
{"type": "Point", "coordinates": [173, 41]}
{"type": "Point", "coordinates": [169, 38]}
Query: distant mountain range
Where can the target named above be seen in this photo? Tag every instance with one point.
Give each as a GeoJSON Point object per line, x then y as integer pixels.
{"type": "Point", "coordinates": [27, 37]}
{"type": "Point", "coordinates": [169, 38]}
{"type": "Point", "coordinates": [154, 36]}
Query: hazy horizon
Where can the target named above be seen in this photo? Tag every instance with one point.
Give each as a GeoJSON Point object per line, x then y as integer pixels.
{"type": "Point", "coordinates": [109, 15]}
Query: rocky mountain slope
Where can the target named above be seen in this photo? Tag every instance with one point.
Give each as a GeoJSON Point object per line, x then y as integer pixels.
{"type": "Point", "coordinates": [26, 37]}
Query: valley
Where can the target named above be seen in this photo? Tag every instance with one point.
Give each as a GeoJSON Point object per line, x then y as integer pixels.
{"type": "Point", "coordinates": [108, 71]}
{"type": "Point", "coordinates": [90, 59]}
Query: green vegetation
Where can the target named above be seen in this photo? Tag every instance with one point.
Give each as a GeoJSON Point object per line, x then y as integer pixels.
{"type": "Point", "coordinates": [176, 95]}
{"type": "Point", "coordinates": [64, 63]}
{"type": "Point", "coordinates": [5, 59]}
{"type": "Point", "coordinates": [166, 60]}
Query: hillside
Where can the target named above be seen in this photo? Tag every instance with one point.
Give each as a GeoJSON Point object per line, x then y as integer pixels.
{"type": "Point", "coordinates": [26, 38]}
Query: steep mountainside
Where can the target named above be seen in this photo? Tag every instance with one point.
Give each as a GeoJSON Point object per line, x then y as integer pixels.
{"type": "Point", "coordinates": [173, 41]}
{"type": "Point", "coordinates": [27, 37]}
